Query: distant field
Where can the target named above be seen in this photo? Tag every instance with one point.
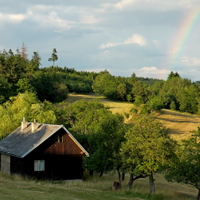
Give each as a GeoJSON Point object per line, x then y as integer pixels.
{"type": "Point", "coordinates": [180, 125]}
{"type": "Point", "coordinates": [115, 107]}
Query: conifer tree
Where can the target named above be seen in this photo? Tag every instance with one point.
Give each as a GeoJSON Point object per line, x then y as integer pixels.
{"type": "Point", "coordinates": [54, 57]}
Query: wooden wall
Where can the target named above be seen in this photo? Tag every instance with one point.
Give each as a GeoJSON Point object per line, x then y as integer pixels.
{"type": "Point", "coordinates": [63, 160]}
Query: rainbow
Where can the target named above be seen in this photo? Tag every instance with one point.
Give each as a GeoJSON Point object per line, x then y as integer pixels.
{"type": "Point", "coordinates": [183, 36]}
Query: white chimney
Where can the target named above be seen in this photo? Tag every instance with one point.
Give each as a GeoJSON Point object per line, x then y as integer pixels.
{"type": "Point", "coordinates": [24, 124]}
{"type": "Point", "coordinates": [34, 125]}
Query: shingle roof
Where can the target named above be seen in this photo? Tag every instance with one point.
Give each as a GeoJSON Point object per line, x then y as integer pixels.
{"type": "Point", "coordinates": [21, 142]}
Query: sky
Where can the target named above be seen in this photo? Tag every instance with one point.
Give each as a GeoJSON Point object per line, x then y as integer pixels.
{"type": "Point", "coordinates": [150, 38]}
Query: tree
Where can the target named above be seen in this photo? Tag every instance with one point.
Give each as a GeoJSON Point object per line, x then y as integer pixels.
{"type": "Point", "coordinates": [5, 89]}
{"type": "Point", "coordinates": [186, 165]}
{"type": "Point", "coordinates": [121, 90]}
{"type": "Point", "coordinates": [147, 148]}
{"type": "Point", "coordinates": [54, 57]}
{"type": "Point", "coordinates": [137, 89]}
{"type": "Point", "coordinates": [188, 99]}
{"type": "Point", "coordinates": [172, 75]}
{"type": "Point", "coordinates": [138, 101]}
{"type": "Point", "coordinates": [24, 51]}
{"type": "Point", "coordinates": [34, 64]}
{"type": "Point", "coordinates": [24, 105]}
{"type": "Point", "coordinates": [99, 131]}
{"type": "Point", "coordinates": [24, 86]}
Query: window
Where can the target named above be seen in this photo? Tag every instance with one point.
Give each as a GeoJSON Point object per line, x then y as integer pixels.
{"type": "Point", "coordinates": [39, 165]}
{"type": "Point", "coordinates": [59, 138]}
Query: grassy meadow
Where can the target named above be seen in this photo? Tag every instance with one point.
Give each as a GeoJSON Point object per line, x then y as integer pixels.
{"type": "Point", "coordinates": [17, 188]}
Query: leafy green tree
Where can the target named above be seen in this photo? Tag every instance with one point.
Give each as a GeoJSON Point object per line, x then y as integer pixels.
{"type": "Point", "coordinates": [138, 101]}
{"type": "Point", "coordinates": [49, 86]}
{"type": "Point", "coordinates": [121, 90]}
{"type": "Point", "coordinates": [33, 64]}
{"type": "Point", "coordinates": [172, 106]}
{"type": "Point", "coordinates": [129, 97]}
{"type": "Point", "coordinates": [155, 103]}
{"type": "Point", "coordinates": [138, 89]}
{"type": "Point", "coordinates": [186, 165]}
{"type": "Point", "coordinates": [54, 57]}
{"type": "Point", "coordinates": [60, 92]}
{"type": "Point", "coordinates": [172, 75]}
{"type": "Point", "coordinates": [12, 66]}
{"type": "Point", "coordinates": [188, 99]}
{"type": "Point", "coordinates": [106, 85]}
{"type": "Point", "coordinates": [24, 105]}
{"type": "Point", "coordinates": [5, 89]}
{"type": "Point", "coordinates": [147, 148]}
{"type": "Point", "coordinates": [98, 130]}
{"type": "Point", "coordinates": [24, 86]}
{"type": "Point", "coordinates": [146, 109]}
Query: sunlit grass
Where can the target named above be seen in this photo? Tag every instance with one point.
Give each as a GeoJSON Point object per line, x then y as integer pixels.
{"type": "Point", "coordinates": [95, 188]}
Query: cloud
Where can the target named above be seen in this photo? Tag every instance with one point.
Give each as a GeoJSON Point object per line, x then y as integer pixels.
{"type": "Point", "coordinates": [14, 18]}
{"type": "Point", "coordinates": [152, 72]}
{"type": "Point", "coordinates": [88, 19]}
{"type": "Point", "coordinates": [149, 5]}
{"type": "Point", "coordinates": [57, 17]}
{"type": "Point", "coordinates": [123, 4]}
{"type": "Point", "coordinates": [135, 39]}
{"type": "Point", "coordinates": [156, 43]}
{"type": "Point", "coordinates": [189, 61]}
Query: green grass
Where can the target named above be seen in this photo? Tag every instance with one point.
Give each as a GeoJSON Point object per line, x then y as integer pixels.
{"type": "Point", "coordinates": [17, 188]}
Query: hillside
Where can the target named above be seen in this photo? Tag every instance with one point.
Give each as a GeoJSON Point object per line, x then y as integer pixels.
{"type": "Point", "coordinates": [179, 124]}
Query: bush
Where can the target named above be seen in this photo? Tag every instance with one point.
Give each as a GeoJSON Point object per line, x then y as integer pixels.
{"type": "Point", "coordinates": [145, 109]}
{"type": "Point", "coordinates": [173, 105]}
{"type": "Point", "coordinates": [138, 101]}
{"type": "Point", "coordinates": [129, 97]}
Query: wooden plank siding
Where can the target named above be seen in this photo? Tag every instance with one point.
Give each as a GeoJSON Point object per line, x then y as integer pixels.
{"type": "Point", "coordinates": [68, 146]}
{"type": "Point", "coordinates": [63, 160]}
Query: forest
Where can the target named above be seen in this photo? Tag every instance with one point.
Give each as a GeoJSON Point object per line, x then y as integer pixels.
{"type": "Point", "coordinates": [18, 74]}
{"type": "Point", "coordinates": [141, 147]}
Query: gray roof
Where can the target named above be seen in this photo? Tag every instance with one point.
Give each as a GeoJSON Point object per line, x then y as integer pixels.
{"type": "Point", "coordinates": [21, 142]}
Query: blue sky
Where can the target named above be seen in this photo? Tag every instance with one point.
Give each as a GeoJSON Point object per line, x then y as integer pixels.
{"type": "Point", "coordinates": [122, 36]}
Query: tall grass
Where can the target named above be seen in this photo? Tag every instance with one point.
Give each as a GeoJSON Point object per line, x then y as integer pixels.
{"type": "Point", "coordinates": [15, 187]}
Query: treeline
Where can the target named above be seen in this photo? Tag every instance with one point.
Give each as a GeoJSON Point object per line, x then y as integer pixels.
{"type": "Point", "coordinates": [175, 93]}
{"type": "Point", "coordinates": [19, 74]}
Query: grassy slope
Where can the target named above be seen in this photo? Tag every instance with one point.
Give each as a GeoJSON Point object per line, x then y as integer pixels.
{"type": "Point", "coordinates": [17, 188]}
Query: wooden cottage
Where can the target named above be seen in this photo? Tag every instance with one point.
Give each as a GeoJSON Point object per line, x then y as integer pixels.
{"type": "Point", "coordinates": [42, 151]}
